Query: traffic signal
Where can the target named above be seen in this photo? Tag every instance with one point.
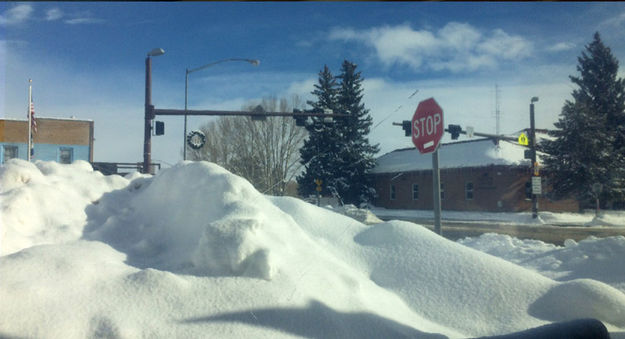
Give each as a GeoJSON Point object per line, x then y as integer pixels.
{"type": "Point", "coordinates": [159, 128]}
{"type": "Point", "coordinates": [299, 120]}
{"type": "Point", "coordinates": [454, 130]}
{"type": "Point", "coordinates": [259, 114]}
{"type": "Point", "coordinates": [528, 154]}
{"type": "Point", "coordinates": [406, 125]}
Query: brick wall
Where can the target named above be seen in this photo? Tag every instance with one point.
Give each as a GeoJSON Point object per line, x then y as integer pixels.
{"type": "Point", "coordinates": [49, 131]}
{"type": "Point", "coordinates": [491, 188]}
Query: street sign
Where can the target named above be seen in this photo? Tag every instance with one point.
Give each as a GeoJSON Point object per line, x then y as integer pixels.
{"type": "Point", "coordinates": [523, 140]}
{"type": "Point", "coordinates": [597, 188]}
{"type": "Point", "coordinates": [536, 185]}
{"type": "Point", "coordinates": [318, 182]}
{"type": "Point", "coordinates": [536, 169]}
{"type": "Point", "coordinates": [470, 131]}
{"type": "Point", "coordinates": [427, 126]}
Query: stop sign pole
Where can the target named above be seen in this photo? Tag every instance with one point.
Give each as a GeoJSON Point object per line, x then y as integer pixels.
{"type": "Point", "coordinates": [427, 131]}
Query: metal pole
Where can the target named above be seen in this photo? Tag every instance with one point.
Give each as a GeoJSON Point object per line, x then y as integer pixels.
{"type": "Point", "coordinates": [533, 149]}
{"type": "Point", "coordinates": [436, 193]}
{"type": "Point", "coordinates": [147, 132]}
{"type": "Point", "coordinates": [186, 88]}
{"type": "Point", "coordinates": [29, 114]}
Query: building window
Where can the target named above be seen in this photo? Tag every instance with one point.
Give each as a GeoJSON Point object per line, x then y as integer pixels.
{"type": "Point", "coordinates": [415, 192]}
{"type": "Point", "coordinates": [10, 152]}
{"type": "Point", "coordinates": [392, 192]}
{"type": "Point", "coordinates": [66, 155]}
{"type": "Point", "coordinates": [468, 191]}
{"type": "Point", "coordinates": [442, 191]}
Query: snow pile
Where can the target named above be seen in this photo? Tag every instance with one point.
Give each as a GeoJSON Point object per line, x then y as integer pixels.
{"type": "Point", "coordinates": [608, 218]}
{"type": "Point", "coordinates": [195, 251]}
{"type": "Point", "coordinates": [595, 258]}
{"type": "Point", "coordinates": [365, 216]}
{"type": "Point", "coordinates": [44, 202]}
{"type": "Point", "coordinates": [214, 225]}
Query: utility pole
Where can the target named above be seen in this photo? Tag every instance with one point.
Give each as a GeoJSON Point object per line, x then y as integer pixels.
{"type": "Point", "coordinates": [147, 125]}
{"type": "Point", "coordinates": [436, 193]}
{"type": "Point", "coordinates": [497, 111]}
{"type": "Point", "coordinates": [149, 111]}
{"type": "Point", "coordinates": [533, 151]}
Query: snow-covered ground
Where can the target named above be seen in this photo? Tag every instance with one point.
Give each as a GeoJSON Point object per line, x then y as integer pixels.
{"type": "Point", "coordinates": [606, 218]}
{"type": "Point", "coordinates": [196, 251]}
{"type": "Point", "coordinates": [592, 258]}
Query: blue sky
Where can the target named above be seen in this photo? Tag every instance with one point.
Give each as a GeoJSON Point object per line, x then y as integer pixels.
{"type": "Point", "coordinates": [87, 60]}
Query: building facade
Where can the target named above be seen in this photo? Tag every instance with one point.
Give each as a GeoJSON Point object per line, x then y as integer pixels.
{"type": "Point", "coordinates": [476, 175]}
{"type": "Point", "coordinates": [61, 140]}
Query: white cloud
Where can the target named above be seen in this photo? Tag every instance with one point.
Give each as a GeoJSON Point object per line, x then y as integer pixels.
{"type": "Point", "coordinates": [459, 36]}
{"type": "Point", "coordinates": [614, 21]}
{"type": "Point", "coordinates": [301, 88]}
{"type": "Point", "coordinates": [561, 46]}
{"type": "Point", "coordinates": [16, 15]}
{"type": "Point", "coordinates": [54, 14]}
{"type": "Point", "coordinates": [502, 44]}
{"type": "Point", "coordinates": [456, 47]}
{"type": "Point", "coordinates": [82, 17]}
{"type": "Point", "coordinates": [77, 21]}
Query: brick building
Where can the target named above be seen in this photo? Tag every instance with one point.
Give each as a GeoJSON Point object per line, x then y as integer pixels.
{"type": "Point", "coordinates": [476, 175]}
{"type": "Point", "coordinates": [61, 140]}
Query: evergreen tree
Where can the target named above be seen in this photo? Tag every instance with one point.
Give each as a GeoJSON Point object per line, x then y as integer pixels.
{"type": "Point", "coordinates": [320, 151]}
{"type": "Point", "coordinates": [589, 144]}
{"type": "Point", "coordinates": [356, 156]}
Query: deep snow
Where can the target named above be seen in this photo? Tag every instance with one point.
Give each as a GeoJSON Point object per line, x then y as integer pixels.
{"type": "Point", "coordinates": [196, 251]}
{"type": "Point", "coordinates": [594, 258]}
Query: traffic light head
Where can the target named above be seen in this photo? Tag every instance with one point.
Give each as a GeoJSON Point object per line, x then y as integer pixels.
{"type": "Point", "coordinates": [299, 119]}
{"type": "Point", "coordinates": [454, 130]}
{"type": "Point", "coordinates": [406, 125]}
{"type": "Point", "coordinates": [159, 128]}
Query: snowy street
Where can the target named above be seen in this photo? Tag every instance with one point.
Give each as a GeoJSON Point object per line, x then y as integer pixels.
{"type": "Point", "coordinates": [553, 228]}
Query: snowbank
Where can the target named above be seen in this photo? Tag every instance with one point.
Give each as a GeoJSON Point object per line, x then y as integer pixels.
{"type": "Point", "coordinates": [215, 225]}
{"type": "Point", "coordinates": [365, 216]}
{"type": "Point", "coordinates": [44, 202]}
{"type": "Point", "coordinates": [196, 251]}
{"type": "Point", "coordinates": [594, 258]}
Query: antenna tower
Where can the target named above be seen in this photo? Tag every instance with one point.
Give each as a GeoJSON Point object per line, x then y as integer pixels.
{"type": "Point", "coordinates": [497, 112]}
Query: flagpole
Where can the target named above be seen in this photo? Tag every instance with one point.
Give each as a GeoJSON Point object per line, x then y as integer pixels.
{"type": "Point", "coordinates": [30, 131]}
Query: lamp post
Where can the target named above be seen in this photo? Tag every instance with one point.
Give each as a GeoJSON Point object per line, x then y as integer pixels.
{"type": "Point", "coordinates": [186, 91]}
{"type": "Point", "coordinates": [533, 150]}
{"type": "Point", "coordinates": [149, 114]}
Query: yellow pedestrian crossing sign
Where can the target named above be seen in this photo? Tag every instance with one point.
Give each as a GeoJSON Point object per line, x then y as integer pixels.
{"type": "Point", "coordinates": [523, 140]}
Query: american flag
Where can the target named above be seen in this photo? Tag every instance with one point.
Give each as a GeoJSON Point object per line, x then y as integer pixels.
{"type": "Point", "coordinates": [33, 121]}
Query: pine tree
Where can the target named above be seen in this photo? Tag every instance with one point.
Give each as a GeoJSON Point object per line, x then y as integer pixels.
{"type": "Point", "coordinates": [319, 152]}
{"type": "Point", "coordinates": [589, 144]}
{"type": "Point", "coordinates": [356, 156]}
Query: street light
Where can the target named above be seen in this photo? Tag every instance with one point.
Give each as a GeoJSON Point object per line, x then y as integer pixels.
{"type": "Point", "coordinates": [186, 91]}
{"type": "Point", "coordinates": [533, 150]}
{"type": "Point", "coordinates": [149, 114]}
{"type": "Point", "coordinates": [156, 52]}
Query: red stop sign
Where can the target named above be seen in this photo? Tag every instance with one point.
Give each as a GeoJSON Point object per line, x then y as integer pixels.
{"type": "Point", "coordinates": [427, 126]}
